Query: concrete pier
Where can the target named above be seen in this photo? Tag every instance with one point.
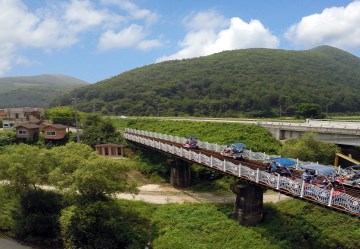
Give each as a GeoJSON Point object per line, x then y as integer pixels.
{"type": "Point", "coordinates": [248, 207]}
{"type": "Point", "coordinates": [180, 173]}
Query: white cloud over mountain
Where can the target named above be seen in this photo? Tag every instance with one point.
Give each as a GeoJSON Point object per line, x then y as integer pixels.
{"type": "Point", "coordinates": [337, 26]}
{"type": "Point", "coordinates": [105, 25]}
{"type": "Point", "coordinates": [210, 33]}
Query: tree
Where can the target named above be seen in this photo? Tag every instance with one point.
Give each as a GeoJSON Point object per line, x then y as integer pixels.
{"type": "Point", "coordinates": [61, 115]}
{"type": "Point", "coordinates": [309, 110]}
{"type": "Point", "coordinates": [7, 137]}
{"type": "Point", "coordinates": [85, 172]}
{"type": "Point", "coordinates": [25, 166]}
{"type": "Point", "coordinates": [307, 148]}
{"type": "Point", "coordinates": [98, 131]}
{"type": "Point", "coordinates": [94, 225]}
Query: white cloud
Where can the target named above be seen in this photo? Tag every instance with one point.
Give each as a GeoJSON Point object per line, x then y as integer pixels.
{"type": "Point", "coordinates": [242, 35]}
{"type": "Point", "coordinates": [6, 57]}
{"type": "Point", "coordinates": [206, 20]}
{"type": "Point", "coordinates": [128, 37]}
{"type": "Point", "coordinates": [337, 26]}
{"type": "Point", "coordinates": [133, 10]}
{"type": "Point", "coordinates": [61, 24]}
{"type": "Point", "coordinates": [211, 33]}
{"type": "Point", "coordinates": [149, 44]}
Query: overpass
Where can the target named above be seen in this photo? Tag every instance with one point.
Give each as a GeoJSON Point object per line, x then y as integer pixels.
{"type": "Point", "coordinates": [337, 132]}
{"type": "Point", "coordinates": [343, 133]}
{"type": "Point", "coordinates": [248, 206]}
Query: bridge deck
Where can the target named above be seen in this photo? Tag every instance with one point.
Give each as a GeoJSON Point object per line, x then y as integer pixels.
{"type": "Point", "coordinates": [255, 171]}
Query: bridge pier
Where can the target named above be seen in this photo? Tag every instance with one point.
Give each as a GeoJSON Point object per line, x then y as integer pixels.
{"type": "Point", "coordinates": [248, 207]}
{"type": "Point", "coordinates": [180, 173]}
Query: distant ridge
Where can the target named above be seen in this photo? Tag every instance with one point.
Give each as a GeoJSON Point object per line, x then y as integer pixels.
{"type": "Point", "coordinates": [255, 82]}
{"type": "Point", "coordinates": [35, 91]}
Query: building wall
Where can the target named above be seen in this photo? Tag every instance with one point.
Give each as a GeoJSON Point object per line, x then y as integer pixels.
{"type": "Point", "coordinates": [60, 133]}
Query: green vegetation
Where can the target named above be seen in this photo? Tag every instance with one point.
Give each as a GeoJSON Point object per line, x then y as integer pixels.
{"type": "Point", "coordinates": [247, 82]}
{"type": "Point", "coordinates": [98, 130]}
{"type": "Point", "coordinates": [289, 224]}
{"type": "Point", "coordinates": [82, 213]}
{"type": "Point", "coordinates": [35, 91]}
{"type": "Point", "coordinates": [61, 115]}
{"type": "Point", "coordinates": [308, 110]}
{"type": "Point", "coordinates": [7, 137]}
{"type": "Point", "coordinates": [307, 148]}
{"type": "Point", "coordinates": [87, 181]}
{"type": "Point", "coordinates": [255, 137]}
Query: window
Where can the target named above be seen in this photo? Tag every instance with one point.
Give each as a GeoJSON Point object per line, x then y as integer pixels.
{"type": "Point", "coordinates": [50, 133]}
{"type": "Point", "coordinates": [22, 132]}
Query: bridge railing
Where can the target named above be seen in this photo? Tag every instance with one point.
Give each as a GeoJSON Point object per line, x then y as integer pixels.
{"type": "Point", "coordinates": [249, 154]}
{"type": "Point", "coordinates": [295, 187]}
{"type": "Point", "coordinates": [333, 128]}
{"type": "Point", "coordinates": [202, 145]}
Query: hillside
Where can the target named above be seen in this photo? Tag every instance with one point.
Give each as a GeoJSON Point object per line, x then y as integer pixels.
{"type": "Point", "coordinates": [252, 82]}
{"type": "Point", "coordinates": [35, 91]}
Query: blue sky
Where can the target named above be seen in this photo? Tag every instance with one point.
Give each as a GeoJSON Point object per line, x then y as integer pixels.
{"type": "Point", "coordinates": [97, 39]}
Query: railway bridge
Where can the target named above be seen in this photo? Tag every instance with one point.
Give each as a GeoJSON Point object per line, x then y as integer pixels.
{"type": "Point", "coordinates": [252, 174]}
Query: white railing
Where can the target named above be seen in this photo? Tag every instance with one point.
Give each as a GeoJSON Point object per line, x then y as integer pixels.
{"type": "Point", "coordinates": [202, 145]}
{"type": "Point", "coordinates": [297, 188]}
{"type": "Point", "coordinates": [248, 154]}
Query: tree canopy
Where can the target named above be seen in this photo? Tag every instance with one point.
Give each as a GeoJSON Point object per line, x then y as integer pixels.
{"type": "Point", "coordinates": [251, 82]}
{"type": "Point", "coordinates": [307, 148]}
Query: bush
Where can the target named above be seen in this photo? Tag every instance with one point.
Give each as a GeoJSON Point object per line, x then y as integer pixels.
{"type": "Point", "coordinates": [93, 225]}
{"type": "Point", "coordinates": [39, 215]}
{"type": "Point", "coordinates": [307, 148]}
{"type": "Point", "coordinates": [9, 206]}
{"type": "Point", "coordinates": [7, 137]}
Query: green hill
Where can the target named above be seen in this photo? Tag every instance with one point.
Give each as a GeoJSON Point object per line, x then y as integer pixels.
{"type": "Point", "coordinates": [252, 82]}
{"type": "Point", "coordinates": [35, 91]}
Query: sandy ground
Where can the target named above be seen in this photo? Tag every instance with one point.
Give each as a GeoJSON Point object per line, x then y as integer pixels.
{"type": "Point", "coordinates": [163, 194]}
{"type": "Point", "coordinates": [6, 243]}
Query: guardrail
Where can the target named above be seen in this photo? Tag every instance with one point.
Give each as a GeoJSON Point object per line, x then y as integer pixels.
{"type": "Point", "coordinates": [297, 188]}
{"type": "Point", "coordinates": [325, 128]}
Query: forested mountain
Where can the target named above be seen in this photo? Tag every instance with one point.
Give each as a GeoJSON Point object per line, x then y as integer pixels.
{"type": "Point", "coordinates": [35, 91]}
{"type": "Point", "coordinates": [254, 82]}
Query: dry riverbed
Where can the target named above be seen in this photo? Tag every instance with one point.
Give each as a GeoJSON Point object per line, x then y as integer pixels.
{"type": "Point", "coordinates": [164, 193]}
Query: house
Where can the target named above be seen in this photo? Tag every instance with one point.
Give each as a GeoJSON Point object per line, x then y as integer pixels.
{"type": "Point", "coordinates": [14, 116]}
{"type": "Point", "coordinates": [27, 131]}
{"type": "Point", "coordinates": [54, 131]}
{"type": "Point", "coordinates": [2, 113]}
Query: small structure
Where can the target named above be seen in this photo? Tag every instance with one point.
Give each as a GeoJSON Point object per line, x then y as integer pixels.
{"type": "Point", "coordinates": [54, 131]}
{"type": "Point", "coordinates": [111, 150]}
{"type": "Point", "coordinates": [27, 130]}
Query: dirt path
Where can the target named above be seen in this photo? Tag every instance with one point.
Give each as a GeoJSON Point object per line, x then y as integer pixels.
{"type": "Point", "coordinates": [163, 194]}
{"type": "Point", "coordinates": [6, 243]}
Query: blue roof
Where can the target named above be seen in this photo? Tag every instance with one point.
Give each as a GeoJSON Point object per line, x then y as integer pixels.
{"type": "Point", "coordinates": [239, 145]}
{"type": "Point", "coordinates": [283, 161]}
{"type": "Point", "coordinates": [322, 169]}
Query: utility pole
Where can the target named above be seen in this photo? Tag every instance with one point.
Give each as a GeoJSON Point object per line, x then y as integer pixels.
{"type": "Point", "coordinates": [76, 121]}
{"type": "Point", "coordinates": [326, 110]}
{"type": "Point", "coordinates": [158, 109]}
